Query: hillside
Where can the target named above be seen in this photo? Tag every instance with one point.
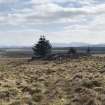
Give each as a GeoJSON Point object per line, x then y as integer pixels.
{"type": "Point", "coordinates": [75, 82]}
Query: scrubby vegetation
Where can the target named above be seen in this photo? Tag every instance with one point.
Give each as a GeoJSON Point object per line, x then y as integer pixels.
{"type": "Point", "coordinates": [73, 82]}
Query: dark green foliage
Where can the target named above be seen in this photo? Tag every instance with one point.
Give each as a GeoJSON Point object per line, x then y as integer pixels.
{"type": "Point", "coordinates": [42, 48]}
{"type": "Point", "coordinates": [72, 51]}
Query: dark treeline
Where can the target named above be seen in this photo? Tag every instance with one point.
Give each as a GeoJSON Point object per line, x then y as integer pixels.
{"type": "Point", "coordinates": [43, 49]}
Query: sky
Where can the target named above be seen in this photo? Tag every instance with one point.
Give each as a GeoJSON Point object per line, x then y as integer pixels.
{"type": "Point", "coordinates": [61, 21]}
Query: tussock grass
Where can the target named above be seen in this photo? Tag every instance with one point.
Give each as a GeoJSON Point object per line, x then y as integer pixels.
{"type": "Point", "coordinates": [74, 82]}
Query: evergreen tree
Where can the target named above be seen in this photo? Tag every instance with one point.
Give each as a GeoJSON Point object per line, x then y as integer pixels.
{"type": "Point", "coordinates": [42, 48]}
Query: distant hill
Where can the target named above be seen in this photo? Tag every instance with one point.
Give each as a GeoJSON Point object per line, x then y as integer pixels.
{"type": "Point", "coordinates": [98, 45]}
{"type": "Point", "coordinates": [72, 44]}
{"type": "Point", "coordinates": [77, 44]}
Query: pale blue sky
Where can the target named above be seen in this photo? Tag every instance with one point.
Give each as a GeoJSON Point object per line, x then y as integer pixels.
{"type": "Point", "coordinates": [62, 21]}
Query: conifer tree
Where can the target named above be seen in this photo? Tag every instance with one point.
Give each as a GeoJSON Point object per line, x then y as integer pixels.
{"type": "Point", "coordinates": [42, 48]}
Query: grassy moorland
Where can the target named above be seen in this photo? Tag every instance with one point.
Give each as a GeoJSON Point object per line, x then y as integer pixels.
{"type": "Point", "coordinates": [74, 82]}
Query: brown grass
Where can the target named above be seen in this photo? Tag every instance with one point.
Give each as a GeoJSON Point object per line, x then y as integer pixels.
{"type": "Point", "coordinates": [74, 82]}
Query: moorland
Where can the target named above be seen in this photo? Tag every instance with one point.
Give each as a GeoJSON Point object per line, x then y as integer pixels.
{"type": "Point", "coordinates": [70, 82]}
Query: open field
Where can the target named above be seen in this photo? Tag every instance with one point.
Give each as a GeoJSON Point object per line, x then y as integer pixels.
{"type": "Point", "coordinates": [75, 82]}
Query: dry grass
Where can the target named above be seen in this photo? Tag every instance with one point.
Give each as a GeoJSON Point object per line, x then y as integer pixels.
{"type": "Point", "coordinates": [76, 82]}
